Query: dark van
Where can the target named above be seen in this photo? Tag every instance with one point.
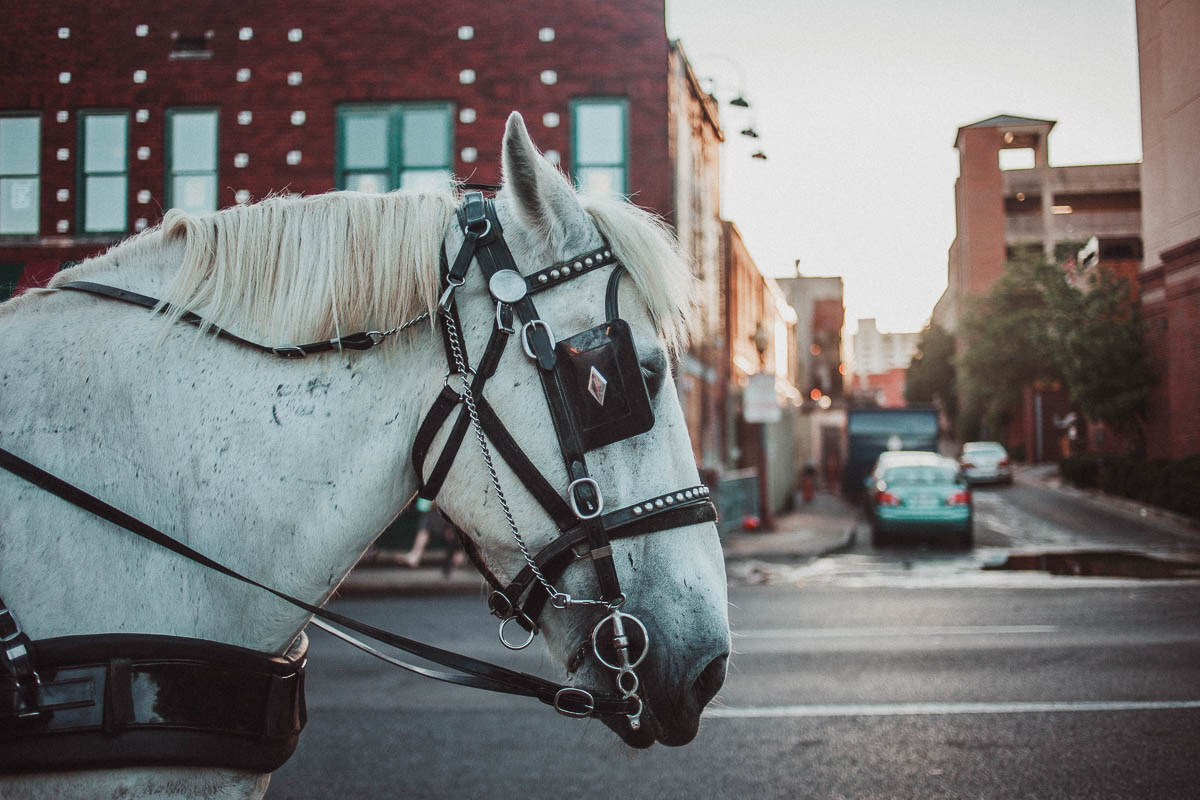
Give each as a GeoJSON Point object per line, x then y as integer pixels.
{"type": "Point", "coordinates": [870, 431]}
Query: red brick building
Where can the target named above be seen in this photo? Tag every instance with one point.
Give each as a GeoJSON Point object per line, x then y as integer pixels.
{"type": "Point", "coordinates": [1170, 276]}
{"type": "Point", "coordinates": [111, 113]}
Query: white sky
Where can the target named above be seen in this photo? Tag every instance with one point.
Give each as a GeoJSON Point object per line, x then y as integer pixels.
{"type": "Point", "coordinates": [857, 103]}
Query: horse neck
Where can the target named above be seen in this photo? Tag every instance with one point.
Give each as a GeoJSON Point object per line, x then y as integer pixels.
{"type": "Point", "coordinates": [283, 470]}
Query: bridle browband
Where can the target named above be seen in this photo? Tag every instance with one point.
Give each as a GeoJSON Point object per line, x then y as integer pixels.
{"type": "Point", "coordinates": [585, 530]}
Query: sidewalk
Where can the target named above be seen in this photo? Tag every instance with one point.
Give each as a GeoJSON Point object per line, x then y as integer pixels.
{"type": "Point", "coordinates": [1047, 477]}
{"type": "Point", "coordinates": [824, 526]}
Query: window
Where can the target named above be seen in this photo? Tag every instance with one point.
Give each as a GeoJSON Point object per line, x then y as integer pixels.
{"type": "Point", "coordinates": [192, 160]}
{"type": "Point", "coordinates": [381, 148]}
{"type": "Point", "coordinates": [600, 145]}
{"type": "Point", "coordinates": [20, 166]}
{"type": "Point", "coordinates": [104, 168]}
{"type": "Point", "coordinates": [10, 275]}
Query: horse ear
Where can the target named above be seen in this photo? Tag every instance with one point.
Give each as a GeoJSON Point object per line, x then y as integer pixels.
{"type": "Point", "coordinates": [543, 197]}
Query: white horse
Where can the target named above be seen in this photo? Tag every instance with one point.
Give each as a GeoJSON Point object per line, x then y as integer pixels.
{"type": "Point", "coordinates": [288, 469]}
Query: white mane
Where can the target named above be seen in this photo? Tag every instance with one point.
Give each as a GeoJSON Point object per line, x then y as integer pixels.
{"type": "Point", "coordinates": [289, 270]}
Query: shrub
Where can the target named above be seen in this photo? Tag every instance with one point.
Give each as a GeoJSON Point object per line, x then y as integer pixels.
{"type": "Point", "coordinates": [1173, 485]}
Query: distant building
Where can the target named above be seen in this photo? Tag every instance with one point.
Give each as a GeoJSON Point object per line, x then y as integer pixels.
{"type": "Point", "coordinates": [820, 317]}
{"type": "Point", "coordinates": [879, 362]}
{"type": "Point", "coordinates": [1170, 276]}
{"type": "Point", "coordinates": [1035, 210]}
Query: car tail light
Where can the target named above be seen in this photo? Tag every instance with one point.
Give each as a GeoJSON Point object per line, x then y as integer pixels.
{"type": "Point", "coordinates": [887, 499]}
{"type": "Point", "coordinates": [967, 465]}
{"type": "Point", "coordinates": [959, 499]}
{"type": "Point", "coordinates": [1003, 462]}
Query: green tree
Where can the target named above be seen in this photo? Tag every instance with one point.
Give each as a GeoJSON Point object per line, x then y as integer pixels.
{"type": "Point", "coordinates": [931, 376]}
{"type": "Point", "coordinates": [1036, 326]}
{"type": "Point", "coordinates": [1010, 342]}
{"type": "Point", "coordinates": [1101, 354]}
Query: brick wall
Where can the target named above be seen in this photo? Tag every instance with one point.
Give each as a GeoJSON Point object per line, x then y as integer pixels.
{"type": "Point", "coordinates": [355, 51]}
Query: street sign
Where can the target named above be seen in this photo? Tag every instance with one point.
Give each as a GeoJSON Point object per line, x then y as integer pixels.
{"type": "Point", "coordinates": [759, 403]}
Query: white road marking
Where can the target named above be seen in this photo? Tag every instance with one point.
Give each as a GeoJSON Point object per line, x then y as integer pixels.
{"type": "Point", "coordinates": [929, 709]}
{"type": "Point", "coordinates": [906, 631]}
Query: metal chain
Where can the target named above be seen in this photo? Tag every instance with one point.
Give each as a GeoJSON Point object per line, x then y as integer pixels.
{"type": "Point", "coordinates": [557, 598]}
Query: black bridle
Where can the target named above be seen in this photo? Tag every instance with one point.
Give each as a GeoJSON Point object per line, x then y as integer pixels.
{"type": "Point", "coordinates": [585, 530]}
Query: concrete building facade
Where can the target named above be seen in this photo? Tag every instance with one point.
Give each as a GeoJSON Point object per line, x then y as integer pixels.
{"type": "Point", "coordinates": [1034, 211]}
{"type": "Point", "coordinates": [1170, 277]}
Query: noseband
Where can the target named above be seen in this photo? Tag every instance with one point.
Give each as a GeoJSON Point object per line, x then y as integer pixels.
{"type": "Point", "coordinates": [596, 396]}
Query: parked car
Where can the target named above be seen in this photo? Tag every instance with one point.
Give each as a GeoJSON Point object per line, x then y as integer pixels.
{"type": "Point", "coordinates": [917, 493]}
{"type": "Point", "coordinates": [985, 462]}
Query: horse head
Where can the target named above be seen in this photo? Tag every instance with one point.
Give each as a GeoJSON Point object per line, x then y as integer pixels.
{"type": "Point", "coordinates": [673, 578]}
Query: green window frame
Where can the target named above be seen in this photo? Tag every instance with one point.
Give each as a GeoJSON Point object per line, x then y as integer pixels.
{"type": "Point", "coordinates": [381, 147]}
{"type": "Point", "coordinates": [103, 171]}
{"type": "Point", "coordinates": [600, 144]}
{"type": "Point", "coordinates": [20, 174]}
{"type": "Point", "coordinates": [193, 144]}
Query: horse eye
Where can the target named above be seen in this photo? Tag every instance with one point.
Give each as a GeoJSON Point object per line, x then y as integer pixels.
{"type": "Point", "coordinates": [654, 371]}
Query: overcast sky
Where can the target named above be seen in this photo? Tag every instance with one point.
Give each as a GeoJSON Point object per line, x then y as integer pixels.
{"type": "Point", "coordinates": [857, 103]}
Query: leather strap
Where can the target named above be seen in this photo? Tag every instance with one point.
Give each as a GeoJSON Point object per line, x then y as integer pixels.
{"type": "Point", "coordinates": [364, 340]}
{"type": "Point", "coordinates": [465, 671]}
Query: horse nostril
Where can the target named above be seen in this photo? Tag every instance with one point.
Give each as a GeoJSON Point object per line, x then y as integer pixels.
{"type": "Point", "coordinates": [709, 683]}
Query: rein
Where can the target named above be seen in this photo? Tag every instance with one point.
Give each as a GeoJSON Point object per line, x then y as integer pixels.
{"type": "Point", "coordinates": [571, 372]}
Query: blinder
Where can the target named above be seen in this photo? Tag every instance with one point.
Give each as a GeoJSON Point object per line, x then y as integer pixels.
{"type": "Point", "coordinates": [605, 385]}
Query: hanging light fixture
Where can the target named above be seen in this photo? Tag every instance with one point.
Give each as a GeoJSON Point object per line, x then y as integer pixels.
{"type": "Point", "coordinates": [740, 101]}
{"type": "Point", "coordinates": [753, 134]}
{"type": "Point", "coordinates": [760, 155]}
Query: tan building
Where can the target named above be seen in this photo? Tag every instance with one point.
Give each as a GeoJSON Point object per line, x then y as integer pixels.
{"type": "Point", "coordinates": [1170, 278]}
{"type": "Point", "coordinates": [1038, 209]}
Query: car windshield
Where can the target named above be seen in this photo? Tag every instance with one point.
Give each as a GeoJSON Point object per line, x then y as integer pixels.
{"type": "Point", "coordinates": [927, 474]}
{"type": "Point", "coordinates": [990, 449]}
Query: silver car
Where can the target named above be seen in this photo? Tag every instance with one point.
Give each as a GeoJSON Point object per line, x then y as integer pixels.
{"type": "Point", "coordinates": [985, 462]}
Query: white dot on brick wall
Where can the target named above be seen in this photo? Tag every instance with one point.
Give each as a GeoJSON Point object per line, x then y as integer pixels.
{"type": "Point", "coordinates": [139, 76]}
{"type": "Point", "coordinates": [63, 116]}
{"type": "Point", "coordinates": [243, 75]}
{"type": "Point", "coordinates": [549, 77]}
{"type": "Point", "coordinates": [140, 224]}
{"type": "Point", "coordinates": [64, 33]}
{"type": "Point", "coordinates": [295, 78]}
{"type": "Point", "coordinates": [546, 34]}
{"type": "Point", "coordinates": [299, 117]}
{"type": "Point", "coordinates": [466, 32]}
{"type": "Point", "coordinates": [142, 115]}
{"type": "Point", "coordinates": [466, 76]}
{"type": "Point", "coordinates": [293, 157]}
{"type": "Point", "coordinates": [241, 159]}
{"type": "Point", "coordinates": [245, 34]}
{"type": "Point", "coordinates": [63, 154]}
{"type": "Point", "coordinates": [295, 35]}
{"type": "Point", "coordinates": [143, 153]}
{"type": "Point", "coordinates": [141, 30]}
{"type": "Point", "coordinates": [245, 117]}
{"type": "Point", "coordinates": [63, 195]}
{"type": "Point", "coordinates": [64, 77]}
{"type": "Point", "coordinates": [550, 119]}
{"type": "Point", "coordinates": [63, 226]}
{"type": "Point", "coordinates": [143, 196]}
{"type": "Point", "coordinates": [241, 196]}
{"type": "Point", "coordinates": [469, 154]}
{"type": "Point", "coordinates": [466, 115]}
{"type": "Point", "coordinates": [553, 156]}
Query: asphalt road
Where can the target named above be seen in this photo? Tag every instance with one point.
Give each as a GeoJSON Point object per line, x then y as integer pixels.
{"type": "Point", "coordinates": [898, 673]}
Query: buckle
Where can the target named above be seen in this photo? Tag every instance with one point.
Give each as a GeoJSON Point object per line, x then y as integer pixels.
{"type": "Point", "coordinates": [289, 351]}
{"type": "Point", "coordinates": [575, 502]}
{"type": "Point", "coordinates": [571, 694]}
{"type": "Point", "coordinates": [534, 323]}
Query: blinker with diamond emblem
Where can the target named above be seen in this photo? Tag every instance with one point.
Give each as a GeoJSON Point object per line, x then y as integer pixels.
{"type": "Point", "coordinates": [597, 384]}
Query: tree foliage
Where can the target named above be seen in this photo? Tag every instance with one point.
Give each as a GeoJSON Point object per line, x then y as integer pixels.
{"type": "Point", "coordinates": [1038, 327]}
{"type": "Point", "coordinates": [931, 376]}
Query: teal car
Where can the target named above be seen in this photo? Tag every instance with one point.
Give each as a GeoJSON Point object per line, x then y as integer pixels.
{"type": "Point", "coordinates": [915, 494]}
